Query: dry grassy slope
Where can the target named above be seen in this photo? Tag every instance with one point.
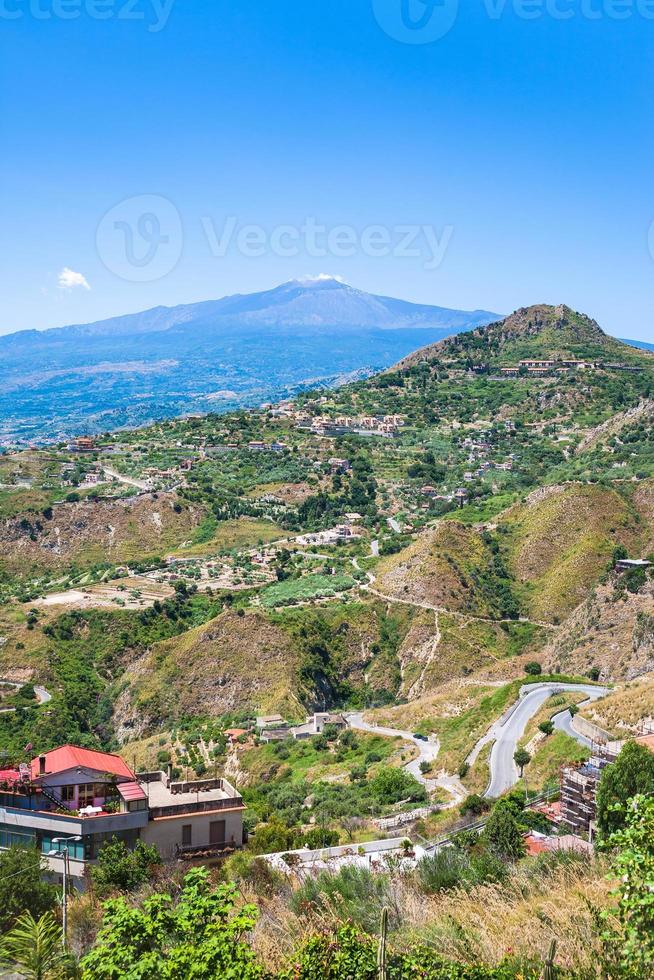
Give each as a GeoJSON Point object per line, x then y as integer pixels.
{"type": "Point", "coordinates": [642, 412]}
{"type": "Point", "coordinates": [228, 664]}
{"type": "Point", "coordinates": [433, 569]}
{"type": "Point", "coordinates": [560, 540]}
{"type": "Point", "coordinates": [87, 532]}
{"type": "Point", "coordinates": [628, 710]}
{"type": "Point", "coordinates": [23, 652]}
{"type": "Point", "coordinates": [464, 646]}
{"type": "Point", "coordinates": [610, 631]}
{"type": "Point", "coordinates": [643, 501]}
{"type": "Point", "coordinates": [253, 662]}
{"type": "Point", "coordinates": [365, 638]}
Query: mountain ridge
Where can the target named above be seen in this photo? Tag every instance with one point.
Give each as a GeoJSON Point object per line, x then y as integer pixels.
{"type": "Point", "coordinates": [310, 302]}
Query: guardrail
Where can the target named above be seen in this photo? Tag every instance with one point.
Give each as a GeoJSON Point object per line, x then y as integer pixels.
{"type": "Point", "coordinates": [478, 825]}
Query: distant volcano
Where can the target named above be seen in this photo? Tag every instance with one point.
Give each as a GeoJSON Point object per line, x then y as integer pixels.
{"type": "Point", "coordinates": [169, 361]}
{"type": "Point", "coordinates": [317, 302]}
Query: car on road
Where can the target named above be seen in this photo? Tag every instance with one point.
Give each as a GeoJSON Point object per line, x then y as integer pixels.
{"type": "Point", "coordinates": [423, 738]}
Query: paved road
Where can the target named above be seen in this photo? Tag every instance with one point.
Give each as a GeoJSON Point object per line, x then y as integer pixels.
{"type": "Point", "coordinates": [509, 729]}
{"type": "Point", "coordinates": [427, 752]}
{"type": "Point", "coordinates": [563, 721]}
{"type": "Point", "coordinates": [42, 696]}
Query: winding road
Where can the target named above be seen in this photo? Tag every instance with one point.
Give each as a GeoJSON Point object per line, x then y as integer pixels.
{"type": "Point", "coordinates": [509, 729]}
{"type": "Point", "coordinates": [427, 752]}
{"type": "Point", "coordinates": [42, 696]}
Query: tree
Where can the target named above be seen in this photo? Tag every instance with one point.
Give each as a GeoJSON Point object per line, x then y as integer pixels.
{"type": "Point", "coordinates": [502, 834]}
{"type": "Point", "coordinates": [630, 774]}
{"type": "Point", "coordinates": [631, 940]}
{"type": "Point", "coordinates": [521, 758]}
{"type": "Point", "coordinates": [474, 804]}
{"type": "Point", "coordinates": [320, 837]}
{"type": "Point", "coordinates": [21, 887]}
{"type": "Point", "coordinates": [119, 869]}
{"type": "Point", "coordinates": [198, 935]}
{"type": "Point", "coordinates": [34, 947]}
{"type": "Point", "coordinates": [546, 727]}
{"type": "Point", "coordinates": [390, 785]}
{"type": "Point", "coordinates": [533, 668]}
{"type": "Point", "coordinates": [273, 837]}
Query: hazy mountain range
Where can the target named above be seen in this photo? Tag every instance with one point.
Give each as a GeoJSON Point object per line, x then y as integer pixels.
{"type": "Point", "coordinates": [215, 355]}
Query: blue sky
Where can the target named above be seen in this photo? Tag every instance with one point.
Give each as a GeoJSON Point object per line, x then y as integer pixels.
{"type": "Point", "coordinates": [522, 140]}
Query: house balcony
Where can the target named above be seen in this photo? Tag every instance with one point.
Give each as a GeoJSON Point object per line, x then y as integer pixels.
{"type": "Point", "coordinates": [197, 852]}
{"type": "Point", "coordinates": [20, 820]}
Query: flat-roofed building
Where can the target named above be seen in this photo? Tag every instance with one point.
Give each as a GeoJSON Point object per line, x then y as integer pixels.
{"type": "Point", "coordinates": [80, 798]}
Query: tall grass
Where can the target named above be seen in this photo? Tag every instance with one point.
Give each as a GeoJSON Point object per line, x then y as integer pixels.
{"type": "Point", "coordinates": [353, 893]}
{"type": "Point", "coordinates": [553, 896]}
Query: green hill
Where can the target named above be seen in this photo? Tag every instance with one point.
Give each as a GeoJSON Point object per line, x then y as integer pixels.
{"type": "Point", "coordinates": [541, 332]}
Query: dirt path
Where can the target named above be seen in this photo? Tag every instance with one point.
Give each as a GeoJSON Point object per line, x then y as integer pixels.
{"type": "Point", "coordinates": [130, 481]}
{"type": "Point", "coordinates": [418, 686]}
{"type": "Point", "coordinates": [467, 617]}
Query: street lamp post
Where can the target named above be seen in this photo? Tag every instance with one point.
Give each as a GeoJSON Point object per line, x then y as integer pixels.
{"type": "Point", "coordinates": [63, 852]}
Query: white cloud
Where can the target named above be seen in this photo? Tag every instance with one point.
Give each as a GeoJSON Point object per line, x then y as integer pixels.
{"type": "Point", "coordinates": [321, 277]}
{"type": "Point", "coordinates": [69, 279]}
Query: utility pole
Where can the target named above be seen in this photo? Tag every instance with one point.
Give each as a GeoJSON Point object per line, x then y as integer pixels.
{"type": "Point", "coordinates": [63, 852]}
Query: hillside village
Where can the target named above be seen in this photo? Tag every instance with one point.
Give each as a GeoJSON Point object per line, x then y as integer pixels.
{"type": "Point", "coordinates": [333, 632]}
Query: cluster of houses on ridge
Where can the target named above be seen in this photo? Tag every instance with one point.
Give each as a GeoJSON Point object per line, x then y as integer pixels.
{"type": "Point", "coordinates": [273, 728]}
{"type": "Point", "coordinates": [548, 366]}
{"type": "Point", "coordinates": [542, 368]}
{"type": "Point", "coordinates": [340, 425]}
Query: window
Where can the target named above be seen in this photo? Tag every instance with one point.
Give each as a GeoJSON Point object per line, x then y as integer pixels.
{"type": "Point", "coordinates": [75, 847]}
{"type": "Point", "coordinates": [9, 836]}
{"type": "Point", "coordinates": [187, 834]}
{"type": "Point", "coordinates": [86, 794]}
{"type": "Point", "coordinates": [67, 794]}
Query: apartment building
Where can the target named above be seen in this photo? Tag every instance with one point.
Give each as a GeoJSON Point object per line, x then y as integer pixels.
{"type": "Point", "coordinates": [579, 785]}
{"type": "Point", "coordinates": [82, 798]}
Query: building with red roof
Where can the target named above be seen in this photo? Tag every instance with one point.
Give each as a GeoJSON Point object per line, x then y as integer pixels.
{"type": "Point", "coordinates": [69, 757]}
{"type": "Point", "coordinates": [80, 798]}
